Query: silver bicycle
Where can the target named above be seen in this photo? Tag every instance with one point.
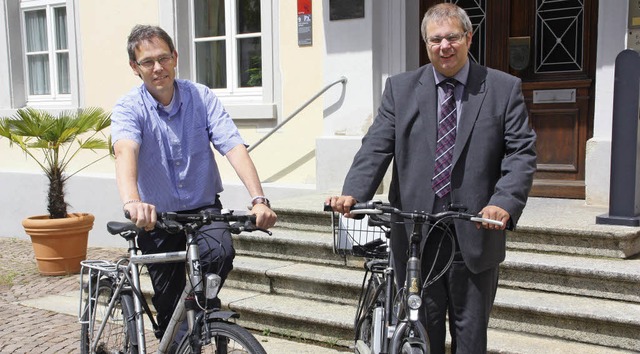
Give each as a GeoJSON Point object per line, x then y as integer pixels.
{"type": "Point", "coordinates": [112, 306]}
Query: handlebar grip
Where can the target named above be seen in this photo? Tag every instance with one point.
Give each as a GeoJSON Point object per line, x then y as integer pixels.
{"type": "Point", "coordinates": [356, 216]}
{"type": "Point", "coordinates": [484, 220]}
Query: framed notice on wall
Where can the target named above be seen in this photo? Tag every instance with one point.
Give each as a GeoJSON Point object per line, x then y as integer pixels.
{"type": "Point", "coordinates": [345, 9]}
{"type": "Point", "coordinates": [305, 35]}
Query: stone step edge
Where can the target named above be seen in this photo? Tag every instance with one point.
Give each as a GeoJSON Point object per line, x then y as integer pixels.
{"type": "Point", "coordinates": [552, 304]}
{"type": "Point", "coordinates": [500, 340]}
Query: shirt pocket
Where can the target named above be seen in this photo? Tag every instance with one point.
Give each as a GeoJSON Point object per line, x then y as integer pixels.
{"type": "Point", "coordinates": [198, 139]}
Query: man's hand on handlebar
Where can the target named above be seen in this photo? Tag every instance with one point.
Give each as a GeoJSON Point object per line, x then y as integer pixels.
{"type": "Point", "coordinates": [342, 204]}
{"type": "Point", "coordinates": [142, 214]}
{"type": "Point", "coordinates": [495, 213]}
{"type": "Point", "coordinates": [265, 217]}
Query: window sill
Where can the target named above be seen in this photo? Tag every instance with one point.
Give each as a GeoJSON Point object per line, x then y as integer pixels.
{"type": "Point", "coordinates": [253, 111]}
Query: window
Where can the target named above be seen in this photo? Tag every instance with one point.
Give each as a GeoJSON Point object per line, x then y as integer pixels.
{"type": "Point", "coordinates": [46, 51]}
{"type": "Point", "coordinates": [227, 44]}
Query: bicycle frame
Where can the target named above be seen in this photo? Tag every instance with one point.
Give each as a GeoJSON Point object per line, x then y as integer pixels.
{"type": "Point", "coordinates": [130, 274]}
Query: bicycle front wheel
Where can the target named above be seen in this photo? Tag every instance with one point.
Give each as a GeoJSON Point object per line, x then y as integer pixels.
{"type": "Point", "coordinates": [226, 337]}
{"type": "Point", "coordinates": [119, 327]}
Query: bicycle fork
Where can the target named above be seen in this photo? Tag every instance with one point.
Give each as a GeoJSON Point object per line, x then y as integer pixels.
{"type": "Point", "coordinates": [413, 298]}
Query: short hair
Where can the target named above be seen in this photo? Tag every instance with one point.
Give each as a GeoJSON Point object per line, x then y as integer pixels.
{"type": "Point", "coordinates": [442, 12]}
{"type": "Point", "coordinates": [141, 33]}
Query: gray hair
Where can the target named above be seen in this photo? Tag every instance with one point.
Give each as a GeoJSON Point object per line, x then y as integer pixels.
{"type": "Point", "coordinates": [445, 12]}
{"type": "Point", "coordinates": [141, 33]}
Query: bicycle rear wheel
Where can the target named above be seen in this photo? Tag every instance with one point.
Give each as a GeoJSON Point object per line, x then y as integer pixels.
{"type": "Point", "coordinates": [226, 338]}
{"type": "Point", "coordinates": [118, 335]}
{"type": "Point", "coordinates": [370, 320]}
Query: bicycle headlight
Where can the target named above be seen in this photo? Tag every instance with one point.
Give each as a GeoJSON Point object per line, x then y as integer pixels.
{"type": "Point", "coordinates": [414, 301]}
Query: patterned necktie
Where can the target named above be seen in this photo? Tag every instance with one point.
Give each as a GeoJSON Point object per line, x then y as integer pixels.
{"type": "Point", "coordinates": [441, 181]}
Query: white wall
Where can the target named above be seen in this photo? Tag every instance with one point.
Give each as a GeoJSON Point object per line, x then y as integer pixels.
{"type": "Point", "coordinates": [383, 43]}
{"type": "Point", "coordinates": [612, 29]}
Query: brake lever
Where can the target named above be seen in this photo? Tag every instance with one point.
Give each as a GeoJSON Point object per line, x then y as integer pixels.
{"type": "Point", "coordinates": [238, 227]}
{"type": "Point", "coordinates": [249, 226]}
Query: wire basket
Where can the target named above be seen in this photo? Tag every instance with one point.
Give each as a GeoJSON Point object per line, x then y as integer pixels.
{"type": "Point", "coordinates": [357, 238]}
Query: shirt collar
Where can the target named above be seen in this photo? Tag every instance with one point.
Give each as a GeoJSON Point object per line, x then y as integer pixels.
{"type": "Point", "coordinates": [152, 102]}
{"type": "Point", "coordinates": [461, 76]}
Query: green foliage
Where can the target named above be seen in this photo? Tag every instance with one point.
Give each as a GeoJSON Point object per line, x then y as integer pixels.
{"type": "Point", "coordinates": [255, 72]}
{"type": "Point", "coordinates": [53, 141]}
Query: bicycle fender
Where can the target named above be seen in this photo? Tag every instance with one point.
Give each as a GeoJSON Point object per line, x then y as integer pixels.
{"type": "Point", "coordinates": [221, 315]}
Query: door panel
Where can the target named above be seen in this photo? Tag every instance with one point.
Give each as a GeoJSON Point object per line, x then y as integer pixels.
{"type": "Point", "coordinates": [550, 45]}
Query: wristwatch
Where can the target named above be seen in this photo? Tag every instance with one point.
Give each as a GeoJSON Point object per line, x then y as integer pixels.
{"type": "Point", "coordinates": [260, 200]}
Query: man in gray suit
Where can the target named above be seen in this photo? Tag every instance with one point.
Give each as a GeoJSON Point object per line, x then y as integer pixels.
{"type": "Point", "coordinates": [487, 166]}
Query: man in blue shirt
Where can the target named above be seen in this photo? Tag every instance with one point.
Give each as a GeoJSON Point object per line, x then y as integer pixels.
{"type": "Point", "coordinates": [162, 133]}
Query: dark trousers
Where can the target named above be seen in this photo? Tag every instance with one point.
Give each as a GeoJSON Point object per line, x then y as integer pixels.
{"type": "Point", "coordinates": [466, 297]}
{"type": "Point", "coordinates": [169, 279]}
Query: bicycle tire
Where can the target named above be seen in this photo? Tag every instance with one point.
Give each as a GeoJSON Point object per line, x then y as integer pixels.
{"type": "Point", "coordinates": [120, 327]}
{"type": "Point", "coordinates": [238, 340]}
{"type": "Point", "coordinates": [408, 348]}
{"type": "Point", "coordinates": [410, 341]}
{"type": "Point", "coordinates": [373, 294]}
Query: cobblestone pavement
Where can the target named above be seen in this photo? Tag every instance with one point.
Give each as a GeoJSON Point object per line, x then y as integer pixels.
{"type": "Point", "coordinates": [25, 329]}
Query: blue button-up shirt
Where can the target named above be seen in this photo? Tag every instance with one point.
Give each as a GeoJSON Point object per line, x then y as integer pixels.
{"type": "Point", "coordinates": [176, 167]}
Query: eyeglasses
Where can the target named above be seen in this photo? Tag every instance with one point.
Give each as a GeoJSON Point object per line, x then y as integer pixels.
{"type": "Point", "coordinates": [451, 38]}
{"type": "Point", "coordinates": [150, 63]}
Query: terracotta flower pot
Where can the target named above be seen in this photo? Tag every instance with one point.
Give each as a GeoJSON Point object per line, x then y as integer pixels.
{"type": "Point", "coordinates": [59, 244]}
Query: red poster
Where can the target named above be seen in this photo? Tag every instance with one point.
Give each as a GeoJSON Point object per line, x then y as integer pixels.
{"type": "Point", "coordinates": [304, 7]}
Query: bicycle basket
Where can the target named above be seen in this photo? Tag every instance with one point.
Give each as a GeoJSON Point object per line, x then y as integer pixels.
{"type": "Point", "coordinates": [357, 238]}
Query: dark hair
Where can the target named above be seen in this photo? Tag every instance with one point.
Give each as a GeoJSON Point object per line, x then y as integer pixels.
{"type": "Point", "coordinates": [141, 33]}
{"type": "Point", "coordinates": [445, 12]}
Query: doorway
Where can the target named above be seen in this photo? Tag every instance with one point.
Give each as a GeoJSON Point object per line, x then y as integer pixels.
{"type": "Point", "coordinates": [551, 46]}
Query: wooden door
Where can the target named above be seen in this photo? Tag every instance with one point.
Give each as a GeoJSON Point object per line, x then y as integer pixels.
{"type": "Point", "coordinates": [551, 46]}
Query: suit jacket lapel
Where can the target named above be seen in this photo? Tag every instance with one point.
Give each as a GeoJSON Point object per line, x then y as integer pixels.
{"type": "Point", "coordinates": [427, 104]}
{"type": "Point", "coordinates": [474, 94]}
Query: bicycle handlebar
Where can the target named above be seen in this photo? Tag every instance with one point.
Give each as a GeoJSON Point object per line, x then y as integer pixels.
{"type": "Point", "coordinates": [374, 207]}
{"type": "Point", "coordinates": [173, 222]}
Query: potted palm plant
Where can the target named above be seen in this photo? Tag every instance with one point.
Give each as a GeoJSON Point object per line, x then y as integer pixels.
{"type": "Point", "coordinates": [59, 238]}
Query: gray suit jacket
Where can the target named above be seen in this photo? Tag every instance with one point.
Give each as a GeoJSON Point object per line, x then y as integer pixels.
{"type": "Point", "coordinates": [493, 163]}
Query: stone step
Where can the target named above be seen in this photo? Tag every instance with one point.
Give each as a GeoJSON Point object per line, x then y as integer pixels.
{"type": "Point", "coordinates": [578, 318]}
{"type": "Point", "coordinates": [608, 323]}
{"type": "Point", "coordinates": [317, 302]}
{"type": "Point", "coordinates": [609, 278]}
{"type": "Point", "coordinates": [291, 316]}
{"type": "Point", "coordinates": [302, 280]}
{"type": "Point", "coordinates": [309, 217]}
{"type": "Point", "coordinates": [612, 279]}
{"type": "Point", "coordinates": [313, 320]}
{"type": "Point", "coordinates": [603, 241]}
{"type": "Point", "coordinates": [289, 244]}
{"type": "Point", "coordinates": [546, 225]}
{"type": "Point", "coordinates": [606, 278]}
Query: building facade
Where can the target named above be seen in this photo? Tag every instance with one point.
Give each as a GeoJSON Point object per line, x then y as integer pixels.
{"type": "Point", "coordinates": [267, 59]}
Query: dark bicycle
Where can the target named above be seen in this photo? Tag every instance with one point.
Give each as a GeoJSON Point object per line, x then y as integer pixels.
{"type": "Point", "coordinates": [387, 316]}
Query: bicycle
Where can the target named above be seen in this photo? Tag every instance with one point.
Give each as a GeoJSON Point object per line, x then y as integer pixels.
{"type": "Point", "coordinates": [112, 306]}
{"type": "Point", "coordinates": [387, 317]}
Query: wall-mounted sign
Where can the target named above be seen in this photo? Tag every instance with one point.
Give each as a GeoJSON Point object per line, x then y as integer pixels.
{"type": "Point", "coordinates": [305, 34]}
{"type": "Point", "coordinates": [633, 39]}
{"type": "Point", "coordinates": [345, 9]}
{"type": "Point", "coordinates": [634, 14]}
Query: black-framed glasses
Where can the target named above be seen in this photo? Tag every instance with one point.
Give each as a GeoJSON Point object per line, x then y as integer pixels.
{"type": "Point", "coordinates": [451, 38]}
{"type": "Point", "coordinates": [151, 62]}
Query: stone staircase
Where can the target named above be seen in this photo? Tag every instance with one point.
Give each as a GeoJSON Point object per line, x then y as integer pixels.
{"type": "Point", "coordinates": [569, 286]}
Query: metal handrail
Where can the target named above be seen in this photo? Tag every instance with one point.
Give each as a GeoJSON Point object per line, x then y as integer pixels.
{"type": "Point", "coordinates": [342, 80]}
